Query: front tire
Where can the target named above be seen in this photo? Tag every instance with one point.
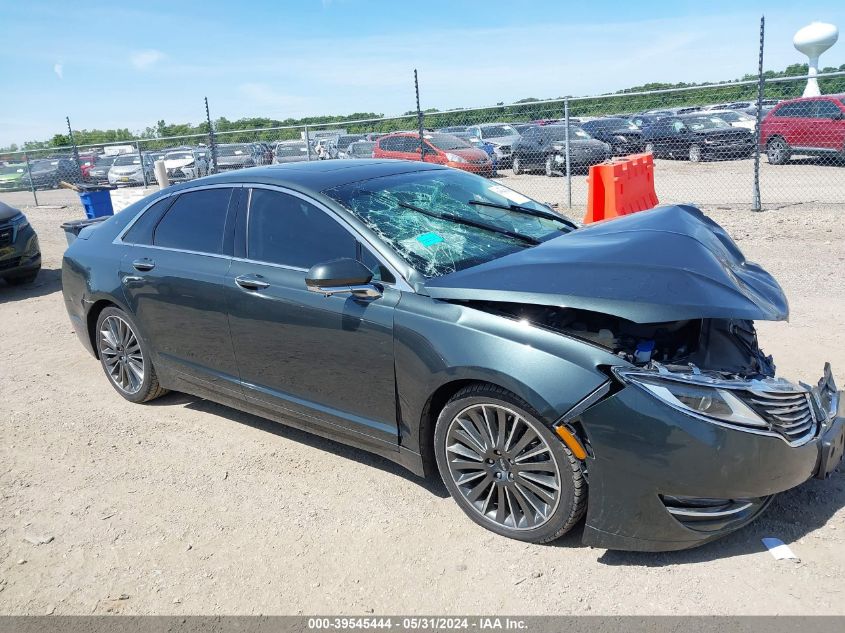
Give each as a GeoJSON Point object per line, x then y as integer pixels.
{"type": "Point", "coordinates": [550, 167]}
{"type": "Point", "coordinates": [505, 468]}
{"type": "Point", "coordinates": [125, 358]}
{"type": "Point", "coordinates": [516, 166]}
{"type": "Point", "coordinates": [695, 153]}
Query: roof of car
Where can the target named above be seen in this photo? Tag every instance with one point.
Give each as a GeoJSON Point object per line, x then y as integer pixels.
{"type": "Point", "coordinates": [840, 96]}
{"type": "Point", "coordinates": [318, 175]}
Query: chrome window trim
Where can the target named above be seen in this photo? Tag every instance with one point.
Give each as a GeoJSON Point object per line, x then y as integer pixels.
{"type": "Point", "coordinates": [246, 260]}
{"type": "Point", "coordinates": [400, 284]}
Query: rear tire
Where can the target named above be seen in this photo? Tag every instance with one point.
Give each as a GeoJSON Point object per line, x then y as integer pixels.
{"type": "Point", "coordinates": [125, 358]}
{"type": "Point", "coordinates": [505, 468]}
{"type": "Point", "coordinates": [778, 152]}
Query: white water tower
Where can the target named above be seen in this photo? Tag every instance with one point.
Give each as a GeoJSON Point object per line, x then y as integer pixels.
{"type": "Point", "coordinates": [813, 40]}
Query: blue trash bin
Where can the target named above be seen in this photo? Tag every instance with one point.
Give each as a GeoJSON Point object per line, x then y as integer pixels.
{"type": "Point", "coordinates": [97, 203]}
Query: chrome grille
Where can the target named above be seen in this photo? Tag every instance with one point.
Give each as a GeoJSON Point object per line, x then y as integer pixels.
{"type": "Point", "coordinates": [789, 413]}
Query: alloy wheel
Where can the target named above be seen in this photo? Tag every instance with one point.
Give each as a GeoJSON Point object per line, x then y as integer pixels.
{"type": "Point", "coordinates": [649, 148]}
{"type": "Point", "coordinates": [516, 165]}
{"type": "Point", "coordinates": [503, 467]}
{"type": "Point", "coordinates": [777, 152]}
{"type": "Point", "coordinates": [121, 354]}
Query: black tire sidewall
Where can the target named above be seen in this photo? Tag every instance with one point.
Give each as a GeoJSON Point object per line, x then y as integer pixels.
{"type": "Point", "coordinates": [147, 382]}
{"type": "Point", "coordinates": [560, 453]}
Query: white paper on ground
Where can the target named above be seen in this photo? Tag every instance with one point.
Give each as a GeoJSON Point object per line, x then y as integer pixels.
{"type": "Point", "coordinates": [778, 548]}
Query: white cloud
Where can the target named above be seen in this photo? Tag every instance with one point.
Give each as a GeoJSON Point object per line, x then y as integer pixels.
{"type": "Point", "coordinates": [59, 70]}
{"type": "Point", "coordinates": [144, 60]}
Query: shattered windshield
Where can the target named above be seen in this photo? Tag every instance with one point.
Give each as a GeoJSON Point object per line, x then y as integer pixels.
{"type": "Point", "coordinates": [437, 246]}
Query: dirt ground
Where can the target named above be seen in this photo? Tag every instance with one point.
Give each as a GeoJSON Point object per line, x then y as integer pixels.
{"type": "Point", "coordinates": [187, 507]}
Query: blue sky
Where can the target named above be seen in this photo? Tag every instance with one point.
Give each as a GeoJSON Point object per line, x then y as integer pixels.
{"type": "Point", "coordinates": [112, 64]}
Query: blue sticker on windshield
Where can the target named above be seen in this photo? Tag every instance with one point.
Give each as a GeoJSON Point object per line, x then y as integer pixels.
{"type": "Point", "coordinates": [429, 239]}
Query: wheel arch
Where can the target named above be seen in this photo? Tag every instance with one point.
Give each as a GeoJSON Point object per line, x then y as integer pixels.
{"type": "Point", "coordinates": [774, 137]}
{"type": "Point", "coordinates": [444, 392]}
{"type": "Point", "coordinates": [91, 321]}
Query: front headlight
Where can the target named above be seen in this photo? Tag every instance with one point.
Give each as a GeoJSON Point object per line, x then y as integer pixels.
{"type": "Point", "coordinates": [454, 158]}
{"type": "Point", "coordinates": [703, 401]}
{"type": "Point", "coordinates": [20, 222]}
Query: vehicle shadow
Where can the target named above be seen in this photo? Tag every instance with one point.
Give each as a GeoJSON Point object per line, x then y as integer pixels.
{"type": "Point", "coordinates": [49, 280]}
{"type": "Point", "coordinates": [432, 485]}
{"type": "Point", "coordinates": [791, 516]}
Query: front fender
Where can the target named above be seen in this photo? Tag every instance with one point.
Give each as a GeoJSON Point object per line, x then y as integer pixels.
{"type": "Point", "coordinates": [437, 342]}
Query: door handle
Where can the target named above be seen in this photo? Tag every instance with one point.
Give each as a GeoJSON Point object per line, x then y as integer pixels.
{"type": "Point", "coordinates": [143, 264]}
{"type": "Point", "coordinates": [251, 282]}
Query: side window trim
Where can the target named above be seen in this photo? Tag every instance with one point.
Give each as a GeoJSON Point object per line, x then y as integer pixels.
{"type": "Point", "coordinates": [401, 283]}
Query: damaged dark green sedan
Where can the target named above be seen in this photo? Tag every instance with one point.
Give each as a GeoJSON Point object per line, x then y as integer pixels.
{"type": "Point", "coordinates": [456, 327]}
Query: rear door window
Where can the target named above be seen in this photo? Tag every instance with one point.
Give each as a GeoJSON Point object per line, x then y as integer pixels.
{"type": "Point", "coordinates": [141, 232]}
{"type": "Point", "coordinates": [195, 222]}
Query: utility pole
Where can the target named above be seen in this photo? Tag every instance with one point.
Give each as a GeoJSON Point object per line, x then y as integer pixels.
{"type": "Point", "coordinates": [75, 151]}
{"type": "Point", "coordinates": [419, 114]}
{"type": "Point", "coordinates": [757, 204]}
{"type": "Point", "coordinates": [211, 142]}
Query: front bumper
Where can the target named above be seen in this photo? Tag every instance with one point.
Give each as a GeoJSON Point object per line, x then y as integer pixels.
{"type": "Point", "coordinates": [136, 178]}
{"type": "Point", "coordinates": [651, 465]}
{"type": "Point", "coordinates": [581, 158]}
{"type": "Point", "coordinates": [22, 255]}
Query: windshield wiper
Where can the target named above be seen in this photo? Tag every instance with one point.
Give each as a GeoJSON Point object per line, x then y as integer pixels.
{"type": "Point", "coordinates": [478, 225]}
{"type": "Point", "coordinates": [516, 208]}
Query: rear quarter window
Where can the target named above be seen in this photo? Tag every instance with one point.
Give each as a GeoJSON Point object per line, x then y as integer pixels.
{"type": "Point", "coordinates": [196, 221]}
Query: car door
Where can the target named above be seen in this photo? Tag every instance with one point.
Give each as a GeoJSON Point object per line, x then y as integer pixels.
{"type": "Point", "coordinates": [173, 275]}
{"type": "Point", "coordinates": [325, 360]}
{"type": "Point", "coordinates": [409, 148]}
{"type": "Point", "coordinates": [827, 128]}
{"type": "Point", "coordinates": [535, 151]}
{"type": "Point", "coordinates": [674, 138]}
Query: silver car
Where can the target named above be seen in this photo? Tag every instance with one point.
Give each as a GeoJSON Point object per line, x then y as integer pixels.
{"type": "Point", "coordinates": [129, 169]}
{"type": "Point", "coordinates": [292, 152]}
{"type": "Point", "coordinates": [501, 136]}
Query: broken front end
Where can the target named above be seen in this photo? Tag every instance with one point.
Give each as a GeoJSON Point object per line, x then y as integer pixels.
{"type": "Point", "coordinates": [692, 434]}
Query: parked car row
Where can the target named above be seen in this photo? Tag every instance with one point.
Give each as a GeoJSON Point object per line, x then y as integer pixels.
{"type": "Point", "coordinates": [812, 126]}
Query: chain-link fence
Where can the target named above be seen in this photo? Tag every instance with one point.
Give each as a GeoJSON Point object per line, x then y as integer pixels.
{"type": "Point", "coordinates": [709, 145]}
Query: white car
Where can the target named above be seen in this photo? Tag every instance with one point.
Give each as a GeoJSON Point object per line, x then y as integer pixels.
{"type": "Point", "coordinates": [185, 164]}
{"type": "Point", "coordinates": [128, 170]}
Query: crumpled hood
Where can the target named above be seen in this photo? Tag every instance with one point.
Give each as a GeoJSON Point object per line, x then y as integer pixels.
{"type": "Point", "coordinates": [667, 264]}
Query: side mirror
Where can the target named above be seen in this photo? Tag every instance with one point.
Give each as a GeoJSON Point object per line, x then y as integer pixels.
{"type": "Point", "coordinates": [341, 276]}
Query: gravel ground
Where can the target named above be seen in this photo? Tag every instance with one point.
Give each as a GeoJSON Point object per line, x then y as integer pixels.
{"type": "Point", "coordinates": [187, 507]}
